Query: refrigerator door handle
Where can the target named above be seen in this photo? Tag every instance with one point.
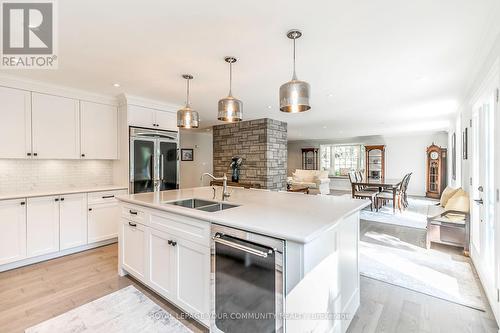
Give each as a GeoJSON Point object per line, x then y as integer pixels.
{"type": "Point", "coordinates": [151, 167]}
{"type": "Point", "coordinates": [162, 167]}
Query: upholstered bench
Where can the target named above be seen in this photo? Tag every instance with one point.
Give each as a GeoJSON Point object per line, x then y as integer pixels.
{"type": "Point", "coordinates": [448, 222]}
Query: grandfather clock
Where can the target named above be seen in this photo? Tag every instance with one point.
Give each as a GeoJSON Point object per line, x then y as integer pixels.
{"type": "Point", "coordinates": [436, 171]}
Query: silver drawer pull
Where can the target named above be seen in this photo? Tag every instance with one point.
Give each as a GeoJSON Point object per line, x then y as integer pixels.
{"type": "Point", "coordinates": [243, 248]}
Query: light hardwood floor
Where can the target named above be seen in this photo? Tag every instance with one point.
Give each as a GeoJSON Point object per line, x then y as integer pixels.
{"type": "Point", "coordinates": [35, 293]}
{"type": "Point", "coordinates": [388, 308]}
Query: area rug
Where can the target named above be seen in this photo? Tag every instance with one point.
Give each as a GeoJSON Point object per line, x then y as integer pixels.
{"type": "Point", "coordinates": [414, 216]}
{"type": "Point", "coordinates": [126, 310]}
{"type": "Point", "coordinates": [447, 276]}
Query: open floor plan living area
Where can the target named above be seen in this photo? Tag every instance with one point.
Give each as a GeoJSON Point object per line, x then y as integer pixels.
{"type": "Point", "coordinates": [249, 167]}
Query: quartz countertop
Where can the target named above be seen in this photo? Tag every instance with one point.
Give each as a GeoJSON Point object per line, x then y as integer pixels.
{"type": "Point", "coordinates": [286, 215]}
{"type": "Point", "coordinates": [59, 191]}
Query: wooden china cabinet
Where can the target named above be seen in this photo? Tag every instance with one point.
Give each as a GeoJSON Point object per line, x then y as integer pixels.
{"type": "Point", "coordinates": [436, 171]}
{"type": "Point", "coordinates": [310, 158]}
{"type": "Point", "coordinates": [375, 162]}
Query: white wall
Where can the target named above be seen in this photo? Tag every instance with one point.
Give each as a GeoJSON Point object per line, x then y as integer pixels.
{"type": "Point", "coordinates": [403, 154]}
{"type": "Point", "coordinates": [191, 171]}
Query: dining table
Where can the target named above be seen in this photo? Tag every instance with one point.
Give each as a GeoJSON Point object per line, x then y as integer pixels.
{"type": "Point", "coordinates": [388, 184]}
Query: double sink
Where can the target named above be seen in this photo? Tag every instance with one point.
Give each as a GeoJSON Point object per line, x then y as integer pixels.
{"type": "Point", "coordinates": [201, 204]}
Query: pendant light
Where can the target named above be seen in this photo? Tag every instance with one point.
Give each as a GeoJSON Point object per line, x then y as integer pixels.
{"type": "Point", "coordinates": [294, 95]}
{"type": "Point", "coordinates": [187, 117]}
{"type": "Point", "coordinates": [230, 108]}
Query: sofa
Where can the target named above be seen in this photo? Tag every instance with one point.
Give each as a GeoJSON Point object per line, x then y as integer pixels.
{"type": "Point", "coordinates": [448, 222]}
{"type": "Point", "coordinates": [315, 180]}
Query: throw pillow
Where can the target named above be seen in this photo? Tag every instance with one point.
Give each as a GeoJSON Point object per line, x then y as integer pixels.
{"type": "Point", "coordinates": [447, 194]}
{"type": "Point", "coordinates": [459, 201]}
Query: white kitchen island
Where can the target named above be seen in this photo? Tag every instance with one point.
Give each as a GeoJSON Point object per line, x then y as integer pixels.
{"type": "Point", "coordinates": [168, 248]}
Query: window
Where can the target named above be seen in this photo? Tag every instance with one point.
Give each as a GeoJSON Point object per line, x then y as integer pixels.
{"type": "Point", "coordinates": [340, 159]}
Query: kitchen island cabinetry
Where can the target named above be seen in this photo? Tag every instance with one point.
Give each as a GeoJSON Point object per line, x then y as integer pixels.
{"type": "Point", "coordinates": [320, 257]}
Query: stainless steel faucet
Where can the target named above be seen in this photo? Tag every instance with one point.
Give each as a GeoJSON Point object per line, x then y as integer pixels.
{"type": "Point", "coordinates": [225, 193]}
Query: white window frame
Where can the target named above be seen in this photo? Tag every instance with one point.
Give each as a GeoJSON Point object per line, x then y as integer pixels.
{"type": "Point", "coordinates": [331, 167]}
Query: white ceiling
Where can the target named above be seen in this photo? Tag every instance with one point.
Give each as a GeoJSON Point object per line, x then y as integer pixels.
{"type": "Point", "coordinates": [375, 67]}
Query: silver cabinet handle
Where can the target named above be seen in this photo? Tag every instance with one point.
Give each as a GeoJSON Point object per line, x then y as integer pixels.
{"type": "Point", "coordinates": [162, 171]}
{"type": "Point", "coordinates": [479, 201]}
{"type": "Point", "coordinates": [243, 248]}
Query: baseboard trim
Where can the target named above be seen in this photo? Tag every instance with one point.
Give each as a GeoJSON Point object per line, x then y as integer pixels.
{"type": "Point", "coordinates": [49, 256]}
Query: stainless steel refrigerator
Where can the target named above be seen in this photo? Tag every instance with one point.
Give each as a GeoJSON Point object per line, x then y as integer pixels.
{"type": "Point", "coordinates": [154, 162]}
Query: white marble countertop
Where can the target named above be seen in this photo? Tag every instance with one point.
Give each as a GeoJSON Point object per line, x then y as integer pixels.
{"type": "Point", "coordinates": [291, 216]}
{"type": "Point", "coordinates": [58, 191]}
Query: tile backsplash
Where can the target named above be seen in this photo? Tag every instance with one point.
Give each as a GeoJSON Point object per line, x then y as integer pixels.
{"type": "Point", "coordinates": [33, 175]}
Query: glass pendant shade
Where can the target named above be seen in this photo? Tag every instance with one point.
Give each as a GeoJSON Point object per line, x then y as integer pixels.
{"type": "Point", "coordinates": [294, 94]}
{"type": "Point", "coordinates": [230, 108]}
{"type": "Point", "coordinates": [187, 117]}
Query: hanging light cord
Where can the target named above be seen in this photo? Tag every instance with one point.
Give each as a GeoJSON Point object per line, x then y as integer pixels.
{"type": "Point", "coordinates": [187, 100]}
{"type": "Point", "coordinates": [230, 78]}
{"type": "Point", "coordinates": [294, 77]}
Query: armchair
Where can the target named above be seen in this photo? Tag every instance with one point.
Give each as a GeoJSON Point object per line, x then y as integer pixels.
{"type": "Point", "coordinates": [315, 180]}
{"type": "Point", "coordinates": [450, 224]}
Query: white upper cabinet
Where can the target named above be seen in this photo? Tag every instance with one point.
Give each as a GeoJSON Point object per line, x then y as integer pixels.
{"type": "Point", "coordinates": [166, 120]}
{"type": "Point", "coordinates": [141, 117]}
{"type": "Point", "coordinates": [99, 131]}
{"type": "Point", "coordinates": [55, 127]}
{"type": "Point", "coordinates": [73, 220]}
{"type": "Point", "coordinates": [15, 123]}
{"type": "Point", "coordinates": [150, 118]}
{"type": "Point", "coordinates": [13, 230]}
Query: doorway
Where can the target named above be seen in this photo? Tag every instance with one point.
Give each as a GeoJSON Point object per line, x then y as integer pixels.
{"type": "Point", "coordinates": [483, 191]}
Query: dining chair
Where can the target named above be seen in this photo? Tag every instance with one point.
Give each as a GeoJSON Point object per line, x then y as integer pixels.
{"type": "Point", "coordinates": [388, 195]}
{"type": "Point", "coordinates": [404, 190]}
{"type": "Point", "coordinates": [359, 193]}
{"type": "Point", "coordinates": [361, 178]}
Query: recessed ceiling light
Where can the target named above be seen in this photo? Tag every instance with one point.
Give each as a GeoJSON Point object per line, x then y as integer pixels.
{"type": "Point", "coordinates": [330, 95]}
{"type": "Point", "coordinates": [116, 85]}
{"type": "Point", "coordinates": [269, 107]}
{"type": "Point", "coordinates": [324, 126]}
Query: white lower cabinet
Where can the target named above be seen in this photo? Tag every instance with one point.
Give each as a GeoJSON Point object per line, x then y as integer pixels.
{"type": "Point", "coordinates": [13, 230]}
{"type": "Point", "coordinates": [134, 249]}
{"type": "Point", "coordinates": [103, 221]}
{"type": "Point", "coordinates": [161, 263]}
{"type": "Point", "coordinates": [73, 220]}
{"type": "Point", "coordinates": [40, 228]}
{"type": "Point", "coordinates": [192, 276]}
{"type": "Point", "coordinates": [176, 268]}
{"type": "Point", "coordinates": [42, 225]}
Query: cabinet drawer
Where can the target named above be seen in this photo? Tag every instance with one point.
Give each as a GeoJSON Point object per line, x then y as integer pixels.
{"type": "Point", "coordinates": [133, 214]}
{"type": "Point", "coordinates": [181, 226]}
{"type": "Point", "coordinates": [104, 196]}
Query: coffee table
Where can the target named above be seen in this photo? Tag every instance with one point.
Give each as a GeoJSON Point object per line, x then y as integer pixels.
{"type": "Point", "coordinates": [298, 189]}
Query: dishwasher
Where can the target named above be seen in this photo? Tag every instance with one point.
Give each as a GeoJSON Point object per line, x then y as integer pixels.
{"type": "Point", "coordinates": [247, 281]}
